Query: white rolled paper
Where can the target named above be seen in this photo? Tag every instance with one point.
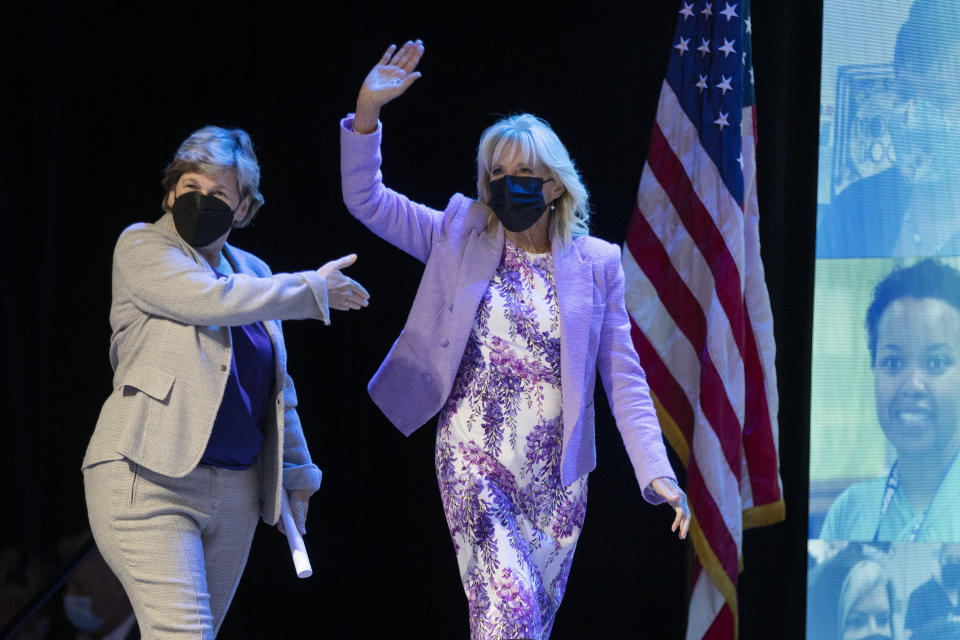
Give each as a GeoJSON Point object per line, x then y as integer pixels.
{"type": "Point", "coordinates": [301, 561]}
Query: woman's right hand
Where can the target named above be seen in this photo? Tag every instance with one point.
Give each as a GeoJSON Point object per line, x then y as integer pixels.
{"type": "Point", "coordinates": [343, 293]}
{"type": "Point", "coordinates": [389, 78]}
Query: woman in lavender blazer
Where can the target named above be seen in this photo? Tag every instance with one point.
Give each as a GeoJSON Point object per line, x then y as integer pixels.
{"type": "Point", "coordinates": [516, 301]}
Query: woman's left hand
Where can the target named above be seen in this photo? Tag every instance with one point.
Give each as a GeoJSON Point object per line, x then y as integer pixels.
{"type": "Point", "coordinates": [299, 503]}
{"type": "Point", "coordinates": [667, 489]}
{"type": "Point", "coordinates": [388, 79]}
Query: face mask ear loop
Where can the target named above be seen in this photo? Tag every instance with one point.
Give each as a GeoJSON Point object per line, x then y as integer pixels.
{"type": "Point", "coordinates": [233, 225]}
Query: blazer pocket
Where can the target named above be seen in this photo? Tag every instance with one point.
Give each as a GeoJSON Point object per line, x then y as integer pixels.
{"type": "Point", "coordinates": [150, 380]}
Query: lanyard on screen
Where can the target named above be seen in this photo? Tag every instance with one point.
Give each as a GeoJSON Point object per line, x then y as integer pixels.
{"type": "Point", "coordinates": [893, 481]}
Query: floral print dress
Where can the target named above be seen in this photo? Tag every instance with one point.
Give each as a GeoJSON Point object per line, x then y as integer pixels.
{"type": "Point", "coordinates": [514, 525]}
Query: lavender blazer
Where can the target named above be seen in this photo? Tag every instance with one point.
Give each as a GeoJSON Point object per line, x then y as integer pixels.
{"type": "Point", "coordinates": [461, 258]}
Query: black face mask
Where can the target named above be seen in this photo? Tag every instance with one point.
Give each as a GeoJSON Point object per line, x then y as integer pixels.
{"type": "Point", "coordinates": [950, 575]}
{"type": "Point", "coordinates": [517, 201]}
{"type": "Point", "coordinates": [201, 219]}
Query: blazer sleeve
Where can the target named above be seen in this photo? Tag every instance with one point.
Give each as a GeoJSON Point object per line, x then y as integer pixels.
{"type": "Point", "coordinates": [299, 472]}
{"type": "Point", "coordinates": [158, 277]}
{"type": "Point", "coordinates": [403, 223]}
{"type": "Point", "coordinates": [626, 385]}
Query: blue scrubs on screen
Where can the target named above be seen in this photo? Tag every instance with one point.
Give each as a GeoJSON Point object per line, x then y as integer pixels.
{"type": "Point", "coordinates": [855, 514]}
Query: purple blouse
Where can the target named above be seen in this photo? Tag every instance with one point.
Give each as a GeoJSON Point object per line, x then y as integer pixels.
{"type": "Point", "coordinates": [236, 437]}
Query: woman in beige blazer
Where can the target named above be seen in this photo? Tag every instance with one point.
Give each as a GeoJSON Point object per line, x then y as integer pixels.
{"type": "Point", "coordinates": [200, 433]}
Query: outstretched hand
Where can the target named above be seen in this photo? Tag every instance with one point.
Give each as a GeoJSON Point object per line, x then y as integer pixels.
{"type": "Point", "coordinates": [389, 78]}
{"type": "Point", "coordinates": [343, 293]}
{"type": "Point", "coordinates": [667, 489]}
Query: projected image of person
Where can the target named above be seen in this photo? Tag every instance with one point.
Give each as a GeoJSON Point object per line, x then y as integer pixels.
{"type": "Point", "coordinates": [824, 580]}
{"type": "Point", "coordinates": [850, 597]}
{"type": "Point", "coordinates": [516, 302]}
{"type": "Point", "coordinates": [201, 433]}
{"type": "Point", "coordinates": [943, 630]}
{"type": "Point", "coordinates": [913, 329]}
{"type": "Point", "coordinates": [910, 208]}
{"type": "Point", "coordinates": [865, 606]}
{"type": "Point", "coordinates": [938, 599]}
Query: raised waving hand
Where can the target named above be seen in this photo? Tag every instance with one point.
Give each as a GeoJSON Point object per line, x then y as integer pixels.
{"type": "Point", "coordinates": [389, 78]}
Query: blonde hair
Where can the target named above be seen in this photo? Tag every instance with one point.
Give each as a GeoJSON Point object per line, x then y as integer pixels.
{"type": "Point", "coordinates": [864, 577]}
{"type": "Point", "coordinates": [541, 148]}
{"type": "Point", "coordinates": [212, 150]}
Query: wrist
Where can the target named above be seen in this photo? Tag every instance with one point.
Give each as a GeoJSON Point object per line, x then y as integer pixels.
{"type": "Point", "coordinates": [366, 118]}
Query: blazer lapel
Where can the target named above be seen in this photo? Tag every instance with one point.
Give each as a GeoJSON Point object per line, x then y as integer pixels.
{"type": "Point", "coordinates": [481, 256]}
{"type": "Point", "coordinates": [574, 281]}
{"type": "Point", "coordinates": [273, 327]}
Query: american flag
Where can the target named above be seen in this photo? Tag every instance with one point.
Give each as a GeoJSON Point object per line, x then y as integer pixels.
{"type": "Point", "coordinates": [701, 315]}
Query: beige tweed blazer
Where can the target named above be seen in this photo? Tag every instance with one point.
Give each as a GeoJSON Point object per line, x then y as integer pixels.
{"type": "Point", "coordinates": [171, 351]}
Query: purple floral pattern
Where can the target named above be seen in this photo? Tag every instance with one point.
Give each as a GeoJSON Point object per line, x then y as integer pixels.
{"type": "Point", "coordinates": [514, 525]}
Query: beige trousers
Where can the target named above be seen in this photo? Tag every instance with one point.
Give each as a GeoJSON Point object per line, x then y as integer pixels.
{"type": "Point", "coordinates": [178, 545]}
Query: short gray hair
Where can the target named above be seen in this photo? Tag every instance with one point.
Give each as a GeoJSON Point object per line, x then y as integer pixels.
{"type": "Point", "coordinates": [540, 147]}
{"type": "Point", "coordinates": [212, 150]}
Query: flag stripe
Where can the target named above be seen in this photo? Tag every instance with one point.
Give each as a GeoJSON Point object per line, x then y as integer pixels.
{"type": "Point", "coordinates": [674, 294]}
{"type": "Point", "coordinates": [653, 260]}
{"type": "Point", "coordinates": [759, 448]}
{"type": "Point", "coordinates": [673, 233]}
{"type": "Point", "coordinates": [708, 598]}
{"type": "Point", "coordinates": [685, 141]}
{"type": "Point", "coordinates": [664, 386]}
{"type": "Point", "coordinates": [672, 177]}
{"type": "Point", "coordinates": [690, 266]}
{"type": "Point", "coordinates": [711, 521]}
{"type": "Point", "coordinates": [719, 630]}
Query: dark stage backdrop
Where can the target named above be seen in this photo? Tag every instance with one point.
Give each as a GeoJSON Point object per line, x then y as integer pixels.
{"type": "Point", "coordinates": [94, 102]}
